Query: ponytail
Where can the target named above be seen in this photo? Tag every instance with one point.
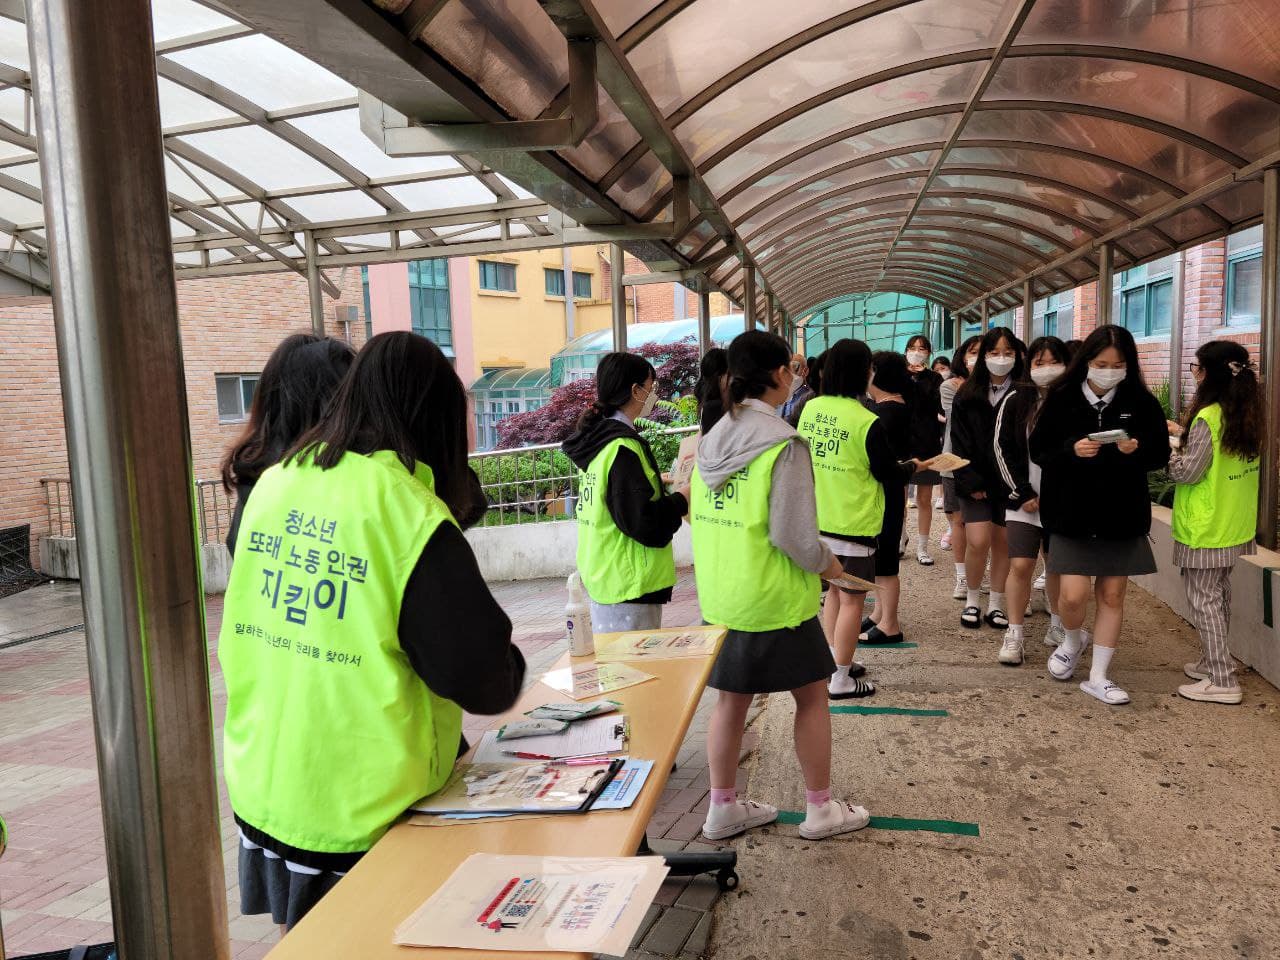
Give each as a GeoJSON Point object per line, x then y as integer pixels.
{"type": "Point", "coordinates": [615, 376]}
{"type": "Point", "coordinates": [753, 357]}
{"type": "Point", "coordinates": [1231, 381]}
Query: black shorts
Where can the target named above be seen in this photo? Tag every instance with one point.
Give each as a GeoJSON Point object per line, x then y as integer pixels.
{"type": "Point", "coordinates": [981, 511]}
{"type": "Point", "coordinates": [950, 502]}
{"type": "Point", "coordinates": [1026, 540]}
{"type": "Point", "coordinates": [864, 567]}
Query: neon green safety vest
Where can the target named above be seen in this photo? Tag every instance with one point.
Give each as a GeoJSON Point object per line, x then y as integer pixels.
{"type": "Point", "coordinates": [1219, 509]}
{"type": "Point", "coordinates": [744, 581]}
{"type": "Point", "coordinates": [850, 499]}
{"type": "Point", "coordinates": [330, 734]}
{"type": "Point", "coordinates": [615, 568]}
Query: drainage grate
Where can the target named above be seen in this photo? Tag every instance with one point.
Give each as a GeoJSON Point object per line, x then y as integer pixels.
{"type": "Point", "coordinates": [40, 636]}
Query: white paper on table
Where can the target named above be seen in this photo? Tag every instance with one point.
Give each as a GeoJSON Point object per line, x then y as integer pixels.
{"type": "Point", "coordinates": [594, 737]}
{"type": "Point", "coordinates": [573, 904]}
{"type": "Point", "coordinates": [582, 681]}
{"type": "Point", "coordinates": [670, 644]}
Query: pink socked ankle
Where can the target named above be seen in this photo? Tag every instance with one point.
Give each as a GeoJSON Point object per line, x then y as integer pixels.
{"type": "Point", "coordinates": [818, 798]}
{"type": "Point", "coordinates": [725, 795]}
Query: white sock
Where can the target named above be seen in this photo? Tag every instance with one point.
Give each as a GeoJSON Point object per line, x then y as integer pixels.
{"type": "Point", "coordinates": [922, 542]}
{"type": "Point", "coordinates": [974, 599]}
{"type": "Point", "coordinates": [1015, 630]}
{"type": "Point", "coordinates": [1101, 660]}
{"type": "Point", "coordinates": [1055, 620]}
{"type": "Point", "coordinates": [1074, 642]}
{"type": "Point", "coordinates": [996, 601]}
{"type": "Point", "coordinates": [842, 672]}
{"type": "Point", "coordinates": [960, 570]}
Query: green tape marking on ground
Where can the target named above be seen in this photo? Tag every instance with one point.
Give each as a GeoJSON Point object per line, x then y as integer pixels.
{"type": "Point", "coordinates": [887, 646]}
{"type": "Point", "coordinates": [892, 711]}
{"type": "Point", "coordinates": [957, 827]}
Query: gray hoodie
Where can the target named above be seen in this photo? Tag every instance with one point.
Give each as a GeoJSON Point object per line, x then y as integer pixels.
{"type": "Point", "coordinates": [739, 438]}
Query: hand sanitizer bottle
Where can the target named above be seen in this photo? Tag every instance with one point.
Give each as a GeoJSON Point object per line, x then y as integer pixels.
{"type": "Point", "coordinates": [577, 615]}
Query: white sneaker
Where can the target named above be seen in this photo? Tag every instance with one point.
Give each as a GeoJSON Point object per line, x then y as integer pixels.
{"type": "Point", "coordinates": [945, 542]}
{"type": "Point", "coordinates": [1040, 583]}
{"type": "Point", "coordinates": [911, 503]}
{"type": "Point", "coordinates": [1011, 650]}
{"type": "Point", "coordinates": [1106, 691]}
{"type": "Point", "coordinates": [961, 592]}
{"type": "Point", "coordinates": [1062, 664]}
{"type": "Point", "coordinates": [923, 558]}
{"type": "Point", "coordinates": [1206, 692]}
{"type": "Point", "coordinates": [1195, 672]}
{"type": "Point", "coordinates": [938, 504]}
{"type": "Point", "coordinates": [838, 816]}
{"type": "Point", "coordinates": [1055, 637]}
{"type": "Point", "coordinates": [726, 820]}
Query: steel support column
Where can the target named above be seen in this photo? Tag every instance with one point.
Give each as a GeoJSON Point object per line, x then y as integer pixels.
{"type": "Point", "coordinates": [566, 267]}
{"type": "Point", "coordinates": [1106, 282]}
{"type": "Point", "coordinates": [1176, 333]}
{"type": "Point", "coordinates": [749, 296]}
{"type": "Point", "coordinates": [129, 452]}
{"type": "Point", "coordinates": [617, 263]}
{"type": "Point", "coordinates": [315, 295]}
{"type": "Point", "coordinates": [1269, 485]}
{"type": "Point", "coordinates": [704, 320]}
{"type": "Point", "coordinates": [770, 315]}
{"type": "Point", "coordinates": [1028, 311]}
{"type": "Point", "coordinates": [986, 316]}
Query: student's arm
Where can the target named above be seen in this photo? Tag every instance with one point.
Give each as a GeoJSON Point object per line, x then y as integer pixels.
{"type": "Point", "coordinates": [1049, 444]}
{"type": "Point", "coordinates": [1189, 464]}
{"type": "Point", "coordinates": [964, 443]}
{"type": "Point", "coordinates": [884, 465]}
{"type": "Point", "coordinates": [1153, 438]}
{"type": "Point", "coordinates": [457, 638]}
{"type": "Point", "coordinates": [793, 511]}
{"type": "Point", "coordinates": [629, 497]}
{"type": "Point", "coordinates": [1011, 448]}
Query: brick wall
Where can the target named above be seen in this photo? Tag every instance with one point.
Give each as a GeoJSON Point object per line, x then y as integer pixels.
{"type": "Point", "coordinates": [228, 326]}
{"type": "Point", "coordinates": [655, 302]}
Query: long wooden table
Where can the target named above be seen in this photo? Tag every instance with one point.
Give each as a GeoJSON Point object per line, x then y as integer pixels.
{"type": "Point", "coordinates": [357, 918]}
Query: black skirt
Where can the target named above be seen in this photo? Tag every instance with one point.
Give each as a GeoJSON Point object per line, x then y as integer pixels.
{"type": "Point", "coordinates": [773, 660]}
{"type": "Point", "coordinates": [267, 885]}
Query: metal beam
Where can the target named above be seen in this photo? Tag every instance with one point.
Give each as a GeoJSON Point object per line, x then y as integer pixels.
{"type": "Point", "coordinates": [1106, 283]}
{"type": "Point", "coordinates": [129, 451]}
{"type": "Point", "coordinates": [1028, 310]}
{"type": "Point", "coordinates": [1176, 332]}
{"type": "Point", "coordinates": [749, 296]}
{"type": "Point", "coordinates": [704, 321]}
{"type": "Point", "coordinates": [1269, 482]}
{"type": "Point", "coordinates": [570, 308]}
{"type": "Point", "coordinates": [986, 318]}
{"type": "Point", "coordinates": [616, 265]}
{"type": "Point", "coordinates": [315, 296]}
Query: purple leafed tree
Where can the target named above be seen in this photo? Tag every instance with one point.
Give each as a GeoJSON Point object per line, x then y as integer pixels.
{"type": "Point", "coordinates": [677, 369]}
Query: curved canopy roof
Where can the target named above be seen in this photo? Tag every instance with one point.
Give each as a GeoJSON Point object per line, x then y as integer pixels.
{"type": "Point", "coordinates": [513, 378]}
{"type": "Point", "coordinates": [946, 148]}
{"type": "Point", "coordinates": [723, 329]}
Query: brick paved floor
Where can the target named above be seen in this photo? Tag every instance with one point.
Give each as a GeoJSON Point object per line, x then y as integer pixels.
{"type": "Point", "coordinates": [53, 887]}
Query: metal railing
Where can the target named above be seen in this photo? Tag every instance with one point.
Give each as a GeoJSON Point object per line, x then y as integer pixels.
{"type": "Point", "coordinates": [532, 484]}
{"type": "Point", "coordinates": [214, 509]}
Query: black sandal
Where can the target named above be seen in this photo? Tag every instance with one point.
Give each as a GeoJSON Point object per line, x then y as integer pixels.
{"type": "Point", "coordinates": [876, 637]}
{"type": "Point", "coordinates": [861, 688]}
{"type": "Point", "coordinates": [971, 617]}
{"type": "Point", "coordinates": [997, 618]}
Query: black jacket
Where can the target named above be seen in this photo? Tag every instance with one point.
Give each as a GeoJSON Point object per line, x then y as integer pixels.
{"type": "Point", "coordinates": [973, 432]}
{"type": "Point", "coordinates": [628, 493]}
{"type": "Point", "coordinates": [926, 408]}
{"type": "Point", "coordinates": [1103, 497]}
{"type": "Point", "coordinates": [1012, 459]}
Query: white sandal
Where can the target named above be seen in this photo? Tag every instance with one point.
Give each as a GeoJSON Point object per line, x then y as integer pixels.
{"type": "Point", "coordinates": [1106, 691]}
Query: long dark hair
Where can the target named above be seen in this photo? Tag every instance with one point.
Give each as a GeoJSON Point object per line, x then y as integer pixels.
{"type": "Point", "coordinates": [754, 357]}
{"type": "Point", "coordinates": [1230, 381]}
{"type": "Point", "coordinates": [402, 395]}
{"type": "Point", "coordinates": [847, 369]}
{"type": "Point", "coordinates": [960, 366]}
{"type": "Point", "coordinates": [1109, 335]}
{"type": "Point", "coordinates": [1052, 345]}
{"type": "Point", "coordinates": [980, 377]}
{"type": "Point", "coordinates": [919, 338]}
{"type": "Point", "coordinates": [816, 367]}
{"type": "Point", "coordinates": [709, 390]}
{"type": "Point", "coordinates": [615, 376]}
{"type": "Point", "coordinates": [299, 379]}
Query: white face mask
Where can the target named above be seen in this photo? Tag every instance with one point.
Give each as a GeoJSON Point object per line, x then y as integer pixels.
{"type": "Point", "coordinates": [649, 402]}
{"type": "Point", "coordinates": [1107, 377]}
{"type": "Point", "coordinates": [917, 357]}
{"type": "Point", "coordinates": [1043, 376]}
{"type": "Point", "coordinates": [1000, 366]}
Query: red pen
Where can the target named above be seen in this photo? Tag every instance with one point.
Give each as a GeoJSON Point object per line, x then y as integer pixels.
{"type": "Point", "coordinates": [532, 756]}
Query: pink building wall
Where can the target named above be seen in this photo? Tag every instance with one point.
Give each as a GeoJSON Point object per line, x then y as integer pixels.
{"type": "Point", "coordinates": [389, 297]}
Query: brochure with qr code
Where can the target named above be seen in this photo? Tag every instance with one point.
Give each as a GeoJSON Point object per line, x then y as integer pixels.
{"type": "Point", "coordinates": [659, 644]}
{"type": "Point", "coordinates": [493, 902]}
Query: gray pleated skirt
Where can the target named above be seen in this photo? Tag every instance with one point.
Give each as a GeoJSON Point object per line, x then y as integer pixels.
{"type": "Point", "coordinates": [267, 885]}
{"type": "Point", "coordinates": [772, 661]}
{"type": "Point", "coordinates": [1100, 558]}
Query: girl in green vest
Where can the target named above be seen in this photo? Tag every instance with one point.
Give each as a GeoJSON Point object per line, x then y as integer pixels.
{"type": "Point", "coordinates": [356, 628]}
{"type": "Point", "coordinates": [1215, 504]}
{"type": "Point", "coordinates": [757, 559]}
{"type": "Point", "coordinates": [626, 519]}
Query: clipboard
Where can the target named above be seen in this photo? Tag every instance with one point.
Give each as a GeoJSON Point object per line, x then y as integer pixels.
{"type": "Point", "coordinates": [454, 797]}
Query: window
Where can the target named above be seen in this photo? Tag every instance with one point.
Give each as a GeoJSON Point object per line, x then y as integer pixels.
{"type": "Point", "coordinates": [581, 286]}
{"type": "Point", "coordinates": [368, 310]}
{"type": "Point", "coordinates": [1145, 299]}
{"type": "Point", "coordinates": [1244, 278]}
{"type": "Point", "coordinates": [429, 302]}
{"type": "Point", "coordinates": [499, 276]}
{"type": "Point", "coordinates": [235, 395]}
{"type": "Point", "coordinates": [554, 281]}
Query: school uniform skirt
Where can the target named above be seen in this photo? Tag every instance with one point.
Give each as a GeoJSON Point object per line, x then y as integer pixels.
{"type": "Point", "coordinates": [1070, 556]}
{"type": "Point", "coordinates": [772, 661]}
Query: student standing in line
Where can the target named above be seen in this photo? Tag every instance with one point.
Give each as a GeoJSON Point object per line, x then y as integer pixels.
{"type": "Point", "coordinates": [942, 367]}
{"type": "Point", "coordinates": [1001, 363]}
{"type": "Point", "coordinates": [757, 559]}
{"type": "Point", "coordinates": [1094, 500]}
{"type": "Point", "coordinates": [625, 517]}
{"type": "Point", "coordinates": [811, 388]}
{"type": "Point", "coordinates": [852, 465]}
{"type": "Point", "coordinates": [713, 373]}
{"type": "Point", "coordinates": [926, 437]}
{"type": "Point", "coordinates": [356, 629]}
{"type": "Point", "coordinates": [300, 377]}
{"type": "Point", "coordinates": [1215, 504]}
{"type": "Point", "coordinates": [889, 395]}
{"type": "Point", "coordinates": [1020, 484]}
{"type": "Point", "coordinates": [791, 409]}
{"type": "Point", "coordinates": [961, 362]}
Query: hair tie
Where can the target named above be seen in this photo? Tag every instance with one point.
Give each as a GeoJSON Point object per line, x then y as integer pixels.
{"type": "Point", "coordinates": [1236, 367]}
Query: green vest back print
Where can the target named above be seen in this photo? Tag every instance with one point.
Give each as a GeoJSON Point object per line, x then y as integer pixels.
{"type": "Point", "coordinates": [850, 499]}
{"type": "Point", "coordinates": [1220, 509]}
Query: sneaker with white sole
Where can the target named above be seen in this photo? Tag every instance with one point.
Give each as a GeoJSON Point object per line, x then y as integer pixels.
{"type": "Point", "coordinates": [726, 820]}
{"type": "Point", "coordinates": [945, 542]}
{"type": "Point", "coordinates": [1195, 671]}
{"type": "Point", "coordinates": [923, 558]}
{"type": "Point", "coordinates": [1207, 692]}
{"type": "Point", "coordinates": [838, 816]}
{"type": "Point", "coordinates": [938, 504]}
{"type": "Point", "coordinates": [1055, 637]}
{"type": "Point", "coordinates": [961, 591]}
{"type": "Point", "coordinates": [1106, 691]}
{"type": "Point", "coordinates": [1062, 664]}
{"type": "Point", "coordinates": [1040, 583]}
{"type": "Point", "coordinates": [1011, 651]}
